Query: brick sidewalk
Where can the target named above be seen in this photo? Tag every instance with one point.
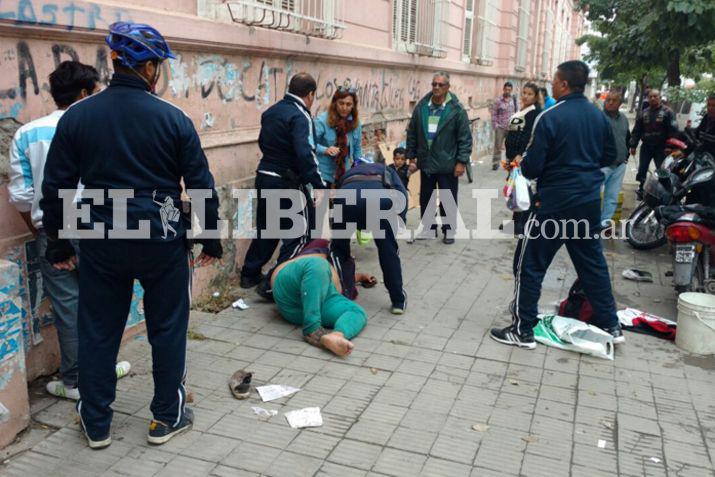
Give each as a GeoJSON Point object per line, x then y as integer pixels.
{"type": "Point", "coordinates": [405, 402]}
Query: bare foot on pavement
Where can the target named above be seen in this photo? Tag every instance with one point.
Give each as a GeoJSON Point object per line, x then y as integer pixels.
{"type": "Point", "coordinates": [337, 343]}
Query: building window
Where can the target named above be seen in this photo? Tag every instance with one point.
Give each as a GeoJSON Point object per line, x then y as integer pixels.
{"type": "Point", "coordinates": [522, 35]}
{"type": "Point", "coordinates": [322, 18]}
{"type": "Point", "coordinates": [468, 30]}
{"type": "Point", "coordinates": [419, 26]}
{"type": "Point", "coordinates": [486, 32]}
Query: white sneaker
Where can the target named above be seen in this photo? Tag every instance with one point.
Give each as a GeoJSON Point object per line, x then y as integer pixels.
{"type": "Point", "coordinates": [122, 369]}
{"type": "Point", "coordinates": [58, 388]}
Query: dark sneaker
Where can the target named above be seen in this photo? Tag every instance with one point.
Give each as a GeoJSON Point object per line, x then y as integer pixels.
{"type": "Point", "coordinates": [639, 195]}
{"type": "Point", "coordinates": [617, 334]}
{"type": "Point", "coordinates": [509, 336]}
{"type": "Point", "coordinates": [250, 281]}
{"type": "Point", "coordinates": [447, 240]}
{"type": "Point", "coordinates": [399, 308]}
{"type": "Point", "coordinates": [264, 290]}
{"type": "Point", "coordinates": [495, 166]}
{"type": "Point", "coordinates": [160, 433]}
{"type": "Point", "coordinates": [94, 442]}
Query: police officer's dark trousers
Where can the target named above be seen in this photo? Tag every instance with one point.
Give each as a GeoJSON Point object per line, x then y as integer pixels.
{"type": "Point", "coordinates": [649, 152]}
{"type": "Point", "coordinates": [262, 248]}
{"type": "Point", "coordinates": [544, 235]}
{"type": "Point", "coordinates": [109, 268]}
{"type": "Point", "coordinates": [387, 249]}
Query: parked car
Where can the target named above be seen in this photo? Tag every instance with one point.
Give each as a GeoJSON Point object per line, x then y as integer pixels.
{"type": "Point", "coordinates": [688, 113]}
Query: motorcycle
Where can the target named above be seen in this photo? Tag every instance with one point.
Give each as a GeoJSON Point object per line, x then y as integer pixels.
{"type": "Point", "coordinates": [691, 233]}
{"type": "Point", "coordinates": [667, 186]}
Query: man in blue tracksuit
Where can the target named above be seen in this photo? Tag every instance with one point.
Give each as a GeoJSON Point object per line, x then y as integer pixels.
{"type": "Point", "coordinates": [127, 138]}
{"type": "Point", "coordinates": [570, 144]}
{"type": "Point", "coordinates": [373, 177]}
{"type": "Point", "coordinates": [289, 162]}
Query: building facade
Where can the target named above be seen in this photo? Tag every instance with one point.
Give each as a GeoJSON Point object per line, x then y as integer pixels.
{"type": "Point", "coordinates": [234, 60]}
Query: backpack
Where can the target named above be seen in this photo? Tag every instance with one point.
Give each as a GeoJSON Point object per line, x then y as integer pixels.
{"type": "Point", "coordinates": [576, 305]}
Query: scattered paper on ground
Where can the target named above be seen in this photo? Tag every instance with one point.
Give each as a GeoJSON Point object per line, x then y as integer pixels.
{"type": "Point", "coordinates": [275, 391]}
{"type": "Point", "coordinates": [601, 444]}
{"type": "Point", "coordinates": [240, 304]}
{"type": "Point", "coordinates": [655, 460]}
{"type": "Point", "coordinates": [259, 411]}
{"type": "Point", "coordinates": [308, 417]}
{"type": "Point", "coordinates": [480, 427]}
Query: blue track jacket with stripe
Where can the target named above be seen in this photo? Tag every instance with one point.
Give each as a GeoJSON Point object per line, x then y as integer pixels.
{"type": "Point", "coordinates": [570, 143]}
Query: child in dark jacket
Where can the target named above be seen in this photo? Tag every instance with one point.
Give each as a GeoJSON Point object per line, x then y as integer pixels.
{"type": "Point", "coordinates": [399, 164]}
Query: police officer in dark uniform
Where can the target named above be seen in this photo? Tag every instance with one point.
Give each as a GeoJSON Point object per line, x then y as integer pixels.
{"type": "Point", "coordinates": [289, 162]}
{"type": "Point", "coordinates": [654, 126]}
{"type": "Point", "coordinates": [371, 177]}
{"type": "Point", "coordinates": [127, 138]}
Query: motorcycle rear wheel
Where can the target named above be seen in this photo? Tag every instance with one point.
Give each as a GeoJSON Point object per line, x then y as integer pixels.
{"type": "Point", "coordinates": [643, 231]}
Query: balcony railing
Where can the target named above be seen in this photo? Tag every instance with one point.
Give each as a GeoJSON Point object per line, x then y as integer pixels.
{"type": "Point", "coordinates": [320, 18]}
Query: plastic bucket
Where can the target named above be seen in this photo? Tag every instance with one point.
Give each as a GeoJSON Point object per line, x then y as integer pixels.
{"type": "Point", "coordinates": [696, 323]}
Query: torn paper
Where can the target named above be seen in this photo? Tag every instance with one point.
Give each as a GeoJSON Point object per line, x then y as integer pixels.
{"type": "Point", "coordinates": [308, 417]}
{"type": "Point", "coordinates": [275, 391]}
{"type": "Point", "coordinates": [240, 304]}
{"type": "Point", "coordinates": [259, 411]}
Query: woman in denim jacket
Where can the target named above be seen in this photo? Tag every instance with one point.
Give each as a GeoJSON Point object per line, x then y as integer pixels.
{"type": "Point", "coordinates": [338, 135]}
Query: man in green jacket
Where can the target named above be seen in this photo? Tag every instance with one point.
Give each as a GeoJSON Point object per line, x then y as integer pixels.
{"type": "Point", "coordinates": [440, 140]}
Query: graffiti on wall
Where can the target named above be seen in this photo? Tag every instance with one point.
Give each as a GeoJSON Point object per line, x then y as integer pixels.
{"type": "Point", "coordinates": [483, 137]}
{"type": "Point", "coordinates": [85, 15]}
{"type": "Point", "coordinates": [217, 91]}
{"type": "Point", "coordinates": [10, 314]}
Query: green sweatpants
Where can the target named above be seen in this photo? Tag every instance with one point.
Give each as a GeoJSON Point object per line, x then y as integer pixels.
{"type": "Point", "coordinates": [306, 296]}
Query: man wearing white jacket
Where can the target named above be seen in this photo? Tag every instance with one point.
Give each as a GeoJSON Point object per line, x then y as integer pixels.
{"type": "Point", "coordinates": [70, 82]}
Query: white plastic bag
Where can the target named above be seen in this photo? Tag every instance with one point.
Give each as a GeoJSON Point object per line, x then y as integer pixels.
{"type": "Point", "coordinates": [522, 202]}
{"type": "Point", "coordinates": [573, 335]}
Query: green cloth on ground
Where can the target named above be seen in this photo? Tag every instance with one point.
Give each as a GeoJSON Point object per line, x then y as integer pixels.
{"type": "Point", "coordinates": [306, 296]}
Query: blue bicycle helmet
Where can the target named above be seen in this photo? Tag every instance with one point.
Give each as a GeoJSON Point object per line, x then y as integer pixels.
{"type": "Point", "coordinates": [135, 43]}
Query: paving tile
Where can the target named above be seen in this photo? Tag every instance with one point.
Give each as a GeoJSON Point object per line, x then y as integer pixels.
{"type": "Point", "coordinates": [373, 432]}
{"type": "Point", "coordinates": [414, 440]}
{"type": "Point", "coordinates": [252, 457]}
{"type": "Point", "coordinates": [185, 466]}
{"type": "Point", "coordinates": [212, 448]}
{"type": "Point", "coordinates": [293, 465]}
{"type": "Point", "coordinates": [456, 448]}
{"type": "Point", "coordinates": [355, 454]}
{"type": "Point", "coordinates": [330, 469]}
{"type": "Point", "coordinates": [313, 444]}
{"type": "Point", "coordinates": [444, 468]}
{"type": "Point", "coordinates": [399, 463]}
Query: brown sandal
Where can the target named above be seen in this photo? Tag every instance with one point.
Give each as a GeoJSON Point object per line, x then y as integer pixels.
{"type": "Point", "coordinates": [314, 337]}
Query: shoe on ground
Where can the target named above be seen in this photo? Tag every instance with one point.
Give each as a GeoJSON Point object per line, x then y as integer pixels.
{"type": "Point", "coordinates": [95, 443]}
{"type": "Point", "coordinates": [122, 369]}
{"type": "Point", "coordinates": [509, 336]}
{"type": "Point", "coordinates": [427, 234]}
{"type": "Point", "coordinates": [495, 166]}
{"type": "Point", "coordinates": [639, 195]}
{"type": "Point", "coordinates": [60, 389]}
{"type": "Point", "coordinates": [240, 384]}
{"type": "Point", "coordinates": [399, 308]}
{"type": "Point", "coordinates": [250, 281]}
{"type": "Point", "coordinates": [161, 433]}
{"type": "Point", "coordinates": [617, 334]}
{"type": "Point", "coordinates": [448, 240]}
{"type": "Point", "coordinates": [264, 290]}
